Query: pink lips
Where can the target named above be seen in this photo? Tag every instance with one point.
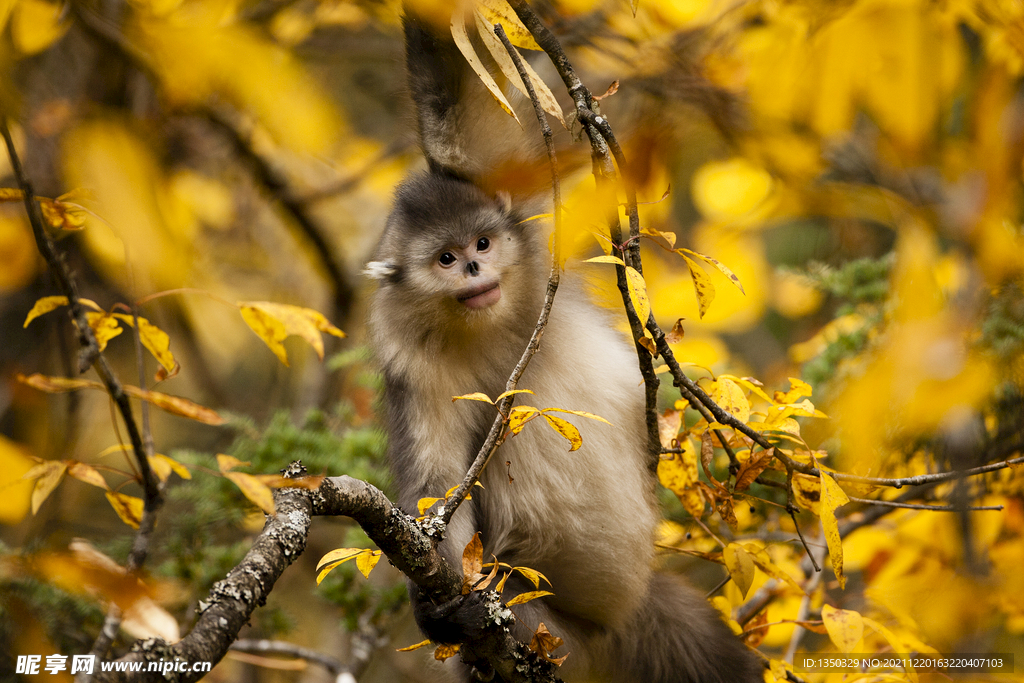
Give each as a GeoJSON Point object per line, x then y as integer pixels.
{"type": "Point", "coordinates": [482, 297]}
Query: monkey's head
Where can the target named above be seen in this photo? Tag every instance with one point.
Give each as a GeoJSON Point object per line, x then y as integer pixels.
{"type": "Point", "coordinates": [451, 251]}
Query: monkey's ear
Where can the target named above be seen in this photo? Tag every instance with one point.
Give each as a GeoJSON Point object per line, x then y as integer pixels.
{"type": "Point", "coordinates": [381, 270]}
{"type": "Point", "coordinates": [504, 200]}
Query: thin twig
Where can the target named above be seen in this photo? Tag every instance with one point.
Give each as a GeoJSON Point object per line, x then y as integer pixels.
{"type": "Point", "coordinates": [920, 506]}
{"type": "Point", "coordinates": [495, 436]}
{"type": "Point", "coordinates": [90, 355]}
{"type": "Point", "coordinates": [280, 647]}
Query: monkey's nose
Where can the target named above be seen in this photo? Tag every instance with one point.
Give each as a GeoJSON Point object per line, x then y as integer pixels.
{"type": "Point", "coordinates": [472, 268]}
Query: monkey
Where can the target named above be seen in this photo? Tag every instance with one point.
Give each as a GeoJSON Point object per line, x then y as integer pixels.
{"type": "Point", "coordinates": [461, 280]}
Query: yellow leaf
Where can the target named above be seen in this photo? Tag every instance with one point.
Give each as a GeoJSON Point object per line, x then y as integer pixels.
{"type": "Point", "coordinates": [338, 556]}
{"type": "Point", "coordinates": [606, 259]}
{"type": "Point", "coordinates": [17, 490]}
{"type": "Point", "coordinates": [88, 474]}
{"type": "Point", "coordinates": [678, 471]}
{"type": "Point", "coordinates": [104, 326]}
{"type": "Point", "coordinates": [255, 490]}
{"type": "Point", "coordinates": [499, 12]}
{"type": "Point", "coordinates": [740, 566]}
{"type": "Point", "coordinates": [425, 504]}
{"type": "Point", "coordinates": [669, 424]}
{"type": "Point", "coordinates": [532, 575]}
{"type": "Point", "coordinates": [176, 405]}
{"type": "Point", "coordinates": [702, 286]}
{"type": "Point", "coordinates": [45, 305]}
{"type": "Point", "coordinates": [36, 24]}
{"type": "Point", "coordinates": [845, 627]}
{"type": "Point", "coordinates": [581, 413]}
{"type": "Point", "coordinates": [765, 564]}
{"type": "Point", "coordinates": [638, 294]}
{"type": "Point", "coordinates": [730, 189]}
{"type": "Point", "coordinates": [273, 322]}
{"type": "Point", "coordinates": [62, 215]}
{"type": "Point", "coordinates": [511, 393]}
{"type": "Point", "coordinates": [444, 652]}
{"type": "Point", "coordinates": [410, 648]}
{"type": "Point", "coordinates": [730, 397]}
{"type": "Point", "coordinates": [475, 396]}
{"type": "Point", "coordinates": [47, 475]}
{"type": "Point", "coordinates": [566, 429]}
{"type": "Point", "coordinates": [197, 54]}
{"type": "Point", "coordinates": [164, 465]}
{"type": "Point", "coordinates": [367, 560]}
{"type": "Point", "coordinates": [832, 496]}
{"type": "Point", "coordinates": [527, 597]}
{"type": "Point", "coordinates": [128, 508]}
{"type": "Point", "coordinates": [518, 417]}
{"type": "Point", "coordinates": [462, 41]}
{"type": "Point", "coordinates": [473, 556]}
{"type": "Point", "coordinates": [733, 278]}
{"type": "Point", "coordinates": [807, 492]}
{"type": "Point", "coordinates": [752, 468]}
{"type": "Point", "coordinates": [226, 463]}
{"type": "Point", "coordinates": [154, 339]}
{"type": "Point", "coordinates": [508, 68]}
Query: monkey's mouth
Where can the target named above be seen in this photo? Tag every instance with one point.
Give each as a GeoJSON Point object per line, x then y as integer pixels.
{"type": "Point", "coordinates": [481, 296]}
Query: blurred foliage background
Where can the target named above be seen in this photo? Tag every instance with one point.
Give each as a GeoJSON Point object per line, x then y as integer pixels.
{"type": "Point", "coordinates": [857, 163]}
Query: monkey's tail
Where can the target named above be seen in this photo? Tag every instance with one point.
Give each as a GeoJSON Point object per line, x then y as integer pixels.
{"type": "Point", "coordinates": [677, 637]}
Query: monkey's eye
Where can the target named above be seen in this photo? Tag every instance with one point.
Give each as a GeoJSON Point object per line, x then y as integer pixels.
{"type": "Point", "coordinates": [447, 259]}
{"type": "Point", "coordinates": [483, 244]}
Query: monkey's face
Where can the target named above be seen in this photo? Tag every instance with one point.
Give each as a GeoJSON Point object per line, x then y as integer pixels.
{"type": "Point", "coordinates": [472, 271]}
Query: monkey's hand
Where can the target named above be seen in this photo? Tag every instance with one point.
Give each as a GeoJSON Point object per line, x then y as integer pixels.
{"type": "Point", "coordinates": [461, 619]}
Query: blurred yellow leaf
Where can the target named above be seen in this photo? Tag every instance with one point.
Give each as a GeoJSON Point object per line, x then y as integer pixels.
{"type": "Point", "coordinates": [18, 252]}
{"type": "Point", "coordinates": [163, 466]}
{"type": "Point", "coordinates": [154, 339]}
{"type": "Point", "coordinates": [45, 305]}
{"type": "Point", "coordinates": [104, 326]}
{"type": "Point", "coordinates": [56, 384]}
{"type": "Point", "coordinates": [730, 189]}
{"type": "Point", "coordinates": [36, 24]}
{"type": "Point", "coordinates": [132, 218]}
{"type": "Point", "coordinates": [845, 627]}
{"type": "Point", "coordinates": [256, 491]}
{"type": "Point", "coordinates": [128, 508]}
{"type": "Point", "coordinates": [273, 322]}
{"type": "Point", "coordinates": [17, 489]}
{"type": "Point", "coordinates": [832, 496]}
{"type": "Point", "coordinates": [196, 55]}
{"type": "Point", "coordinates": [88, 474]}
{"type": "Point", "coordinates": [462, 41]}
{"type": "Point", "coordinates": [494, 45]}
{"type": "Point", "coordinates": [678, 473]}
{"type": "Point", "coordinates": [176, 405]}
{"type": "Point", "coordinates": [740, 566]}
{"type": "Point", "coordinates": [226, 463]}
{"type": "Point", "coordinates": [424, 504]}
{"type": "Point", "coordinates": [807, 492]}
